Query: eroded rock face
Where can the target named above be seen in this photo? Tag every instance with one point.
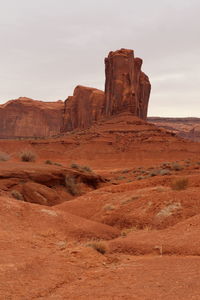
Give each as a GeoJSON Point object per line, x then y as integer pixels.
{"type": "Point", "coordinates": [25, 117]}
{"type": "Point", "coordinates": [39, 194]}
{"type": "Point", "coordinates": [127, 88]}
{"type": "Point", "coordinates": [83, 108]}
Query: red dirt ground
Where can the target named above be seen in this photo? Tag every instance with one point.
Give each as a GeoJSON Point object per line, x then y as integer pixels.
{"type": "Point", "coordinates": [126, 205]}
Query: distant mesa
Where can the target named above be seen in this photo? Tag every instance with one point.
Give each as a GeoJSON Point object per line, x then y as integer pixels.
{"type": "Point", "coordinates": [187, 128]}
{"type": "Point", "coordinates": [25, 117]}
{"type": "Point", "coordinates": [127, 89]}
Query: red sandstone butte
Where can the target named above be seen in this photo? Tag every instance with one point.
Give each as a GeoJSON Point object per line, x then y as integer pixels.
{"type": "Point", "coordinates": [127, 88]}
{"type": "Point", "coordinates": [83, 108]}
{"type": "Point", "coordinates": [25, 117]}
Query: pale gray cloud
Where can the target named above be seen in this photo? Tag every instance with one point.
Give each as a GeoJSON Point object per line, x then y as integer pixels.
{"type": "Point", "coordinates": [50, 46]}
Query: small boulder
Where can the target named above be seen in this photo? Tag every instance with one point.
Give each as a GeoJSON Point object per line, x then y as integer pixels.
{"type": "Point", "coordinates": [40, 194]}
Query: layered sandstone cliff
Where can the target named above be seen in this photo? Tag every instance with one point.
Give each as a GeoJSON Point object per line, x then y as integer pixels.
{"type": "Point", "coordinates": [127, 89]}
{"type": "Point", "coordinates": [25, 117]}
{"type": "Point", "coordinates": [83, 108]}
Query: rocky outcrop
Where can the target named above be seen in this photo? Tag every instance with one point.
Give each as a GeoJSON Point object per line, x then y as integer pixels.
{"type": "Point", "coordinates": [127, 88]}
{"type": "Point", "coordinates": [25, 117]}
{"type": "Point", "coordinates": [83, 108]}
{"type": "Point", "coordinates": [40, 194]}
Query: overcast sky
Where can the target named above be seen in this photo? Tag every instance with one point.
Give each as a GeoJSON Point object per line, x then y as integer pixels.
{"type": "Point", "coordinates": [50, 46]}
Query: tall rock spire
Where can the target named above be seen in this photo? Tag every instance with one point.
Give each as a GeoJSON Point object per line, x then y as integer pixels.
{"type": "Point", "coordinates": [127, 88]}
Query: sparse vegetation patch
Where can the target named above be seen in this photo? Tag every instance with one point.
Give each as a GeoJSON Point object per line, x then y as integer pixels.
{"type": "Point", "coordinates": [109, 207]}
{"type": "Point", "coordinates": [74, 166]}
{"type": "Point", "coordinates": [169, 210]}
{"type": "Point", "coordinates": [17, 195]}
{"type": "Point", "coordinates": [176, 167]}
{"type": "Point", "coordinates": [86, 169]}
{"type": "Point", "coordinates": [165, 172]}
{"type": "Point", "coordinates": [72, 186]}
{"type": "Point", "coordinates": [48, 162]}
{"type": "Point", "coordinates": [81, 168]}
{"type": "Point", "coordinates": [179, 184]}
{"type": "Point", "coordinates": [27, 156]}
{"type": "Point", "coordinates": [98, 246]}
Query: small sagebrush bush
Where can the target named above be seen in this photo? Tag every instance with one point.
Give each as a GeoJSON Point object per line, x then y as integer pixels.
{"type": "Point", "coordinates": [81, 168]}
{"type": "Point", "coordinates": [4, 156]}
{"type": "Point", "coordinates": [98, 246]}
{"type": "Point", "coordinates": [179, 184]}
{"type": "Point", "coordinates": [109, 207]}
{"type": "Point", "coordinates": [86, 169]}
{"type": "Point", "coordinates": [57, 164]}
{"type": "Point", "coordinates": [48, 162]}
{"type": "Point", "coordinates": [154, 172]}
{"type": "Point", "coordinates": [142, 172]}
{"type": "Point", "coordinates": [27, 156]}
{"type": "Point", "coordinates": [176, 167]}
{"type": "Point", "coordinates": [17, 195]}
{"type": "Point", "coordinates": [165, 172]}
{"type": "Point", "coordinates": [125, 171]}
{"type": "Point", "coordinates": [75, 166]}
{"type": "Point", "coordinates": [71, 185]}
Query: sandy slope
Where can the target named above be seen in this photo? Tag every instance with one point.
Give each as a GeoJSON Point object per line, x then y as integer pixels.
{"type": "Point", "coordinates": [149, 230]}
